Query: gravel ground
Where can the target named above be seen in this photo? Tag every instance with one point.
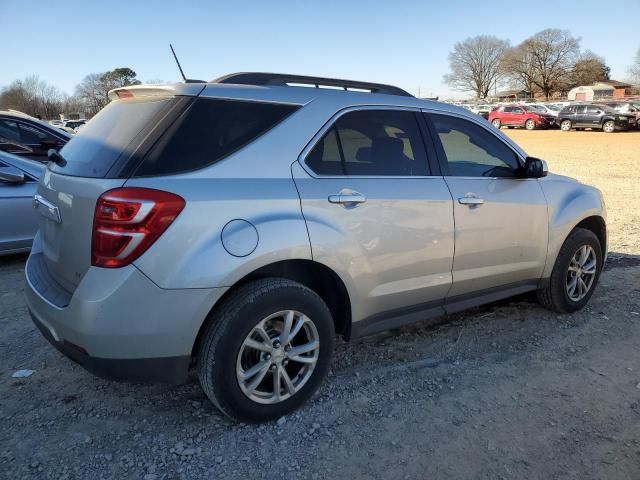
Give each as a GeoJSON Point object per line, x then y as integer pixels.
{"type": "Point", "coordinates": [507, 391]}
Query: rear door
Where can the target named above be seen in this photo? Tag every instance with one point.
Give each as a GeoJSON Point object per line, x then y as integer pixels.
{"type": "Point", "coordinates": [518, 116]}
{"type": "Point", "coordinates": [580, 116]}
{"type": "Point", "coordinates": [501, 230]}
{"type": "Point", "coordinates": [375, 211]}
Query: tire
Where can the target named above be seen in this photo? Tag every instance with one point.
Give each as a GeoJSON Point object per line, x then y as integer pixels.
{"type": "Point", "coordinates": [609, 126]}
{"type": "Point", "coordinates": [223, 348]}
{"type": "Point", "coordinates": [496, 123]}
{"type": "Point", "coordinates": [530, 124]}
{"type": "Point", "coordinates": [565, 125]}
{"type": "Point", "coordinates": [555, 296]}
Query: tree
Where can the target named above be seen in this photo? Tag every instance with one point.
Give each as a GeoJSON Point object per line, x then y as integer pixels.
{"type": "Point", "coordinates": [476, 64]}
{"type": "Point", "coordinates": [545, 60]}
{"type": "Point", "coordinates": [93, 90]}
{"type": "Point", "coordinates": [34, 97]}
{"type": "Point", "coordinates": [634, 69]}
{"type": "Point", "coordinates": [589, 69]}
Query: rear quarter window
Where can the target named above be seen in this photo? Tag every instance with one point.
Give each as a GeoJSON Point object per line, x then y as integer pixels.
{"type": "Point", "coordinates": [209, 131]}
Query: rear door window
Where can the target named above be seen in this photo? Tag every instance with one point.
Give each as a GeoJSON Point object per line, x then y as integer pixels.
{"type": "Point", "coordinates": [371, 143]}
{"type": "Point", "coordinates": [210, 130]}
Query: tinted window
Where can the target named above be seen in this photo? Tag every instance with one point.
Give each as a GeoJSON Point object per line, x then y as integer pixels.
{"type": "Point", "coordinates": [209, 131]}
{"type": "Point", "coordinates": [9, 131]}
{"type": "Point", "coordinates": [31, 135]}
{"type": "Point", "coordinates": [581, 109]}
{"type": "Point", "coordinates": [517, 110]}
{"type": "Point", "coordinates": [371, 143]}
{"type": "Point", "coordinates": [472, 151]}
{"type": "Point", "coordinates": [508, 109]}
{"type": "Point", "coordinates": [110, 134]}
{"type": "Point", "coordinates": [325, 158]}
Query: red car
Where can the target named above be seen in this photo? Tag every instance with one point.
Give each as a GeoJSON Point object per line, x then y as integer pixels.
{"type": "Point", "coordinates": [526, 116]}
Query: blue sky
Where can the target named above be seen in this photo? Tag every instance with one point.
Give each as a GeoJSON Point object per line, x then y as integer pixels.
{"type": "Point", "coordinates": [405, 43]}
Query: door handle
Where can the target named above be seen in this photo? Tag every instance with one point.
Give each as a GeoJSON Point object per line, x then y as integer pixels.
{"type": "Point", "coordinates": [346, 199]}
{"type": "Point", "coordinates": [470, 201]}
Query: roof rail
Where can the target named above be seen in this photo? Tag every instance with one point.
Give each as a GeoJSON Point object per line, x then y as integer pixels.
{"type": "Point", "coordinates": [284, 79]}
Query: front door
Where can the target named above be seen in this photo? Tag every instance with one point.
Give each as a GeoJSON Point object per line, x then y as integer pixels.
{"type": "Point", "coordinates": [374, 213]}
{"type": "Point", "coordinates": [501, 226]}
{"type": "Point", "coordinates": [518, 116]}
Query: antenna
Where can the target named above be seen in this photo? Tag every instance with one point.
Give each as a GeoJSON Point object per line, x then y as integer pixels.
{"type": "Point", "coordinates": [178, 62]}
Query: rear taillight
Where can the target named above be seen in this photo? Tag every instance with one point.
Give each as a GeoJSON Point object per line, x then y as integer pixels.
{"type": "Point", "coordinates": [127, 221]}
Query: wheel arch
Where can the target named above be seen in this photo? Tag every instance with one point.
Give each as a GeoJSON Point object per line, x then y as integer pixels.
{"type": "Point", "coordinates": [313, 275]}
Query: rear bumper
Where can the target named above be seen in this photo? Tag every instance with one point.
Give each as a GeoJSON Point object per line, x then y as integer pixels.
{"type": "Point", "coordinates": [163, 369]}
{"type": "Point", "coordinates": [119, 324]}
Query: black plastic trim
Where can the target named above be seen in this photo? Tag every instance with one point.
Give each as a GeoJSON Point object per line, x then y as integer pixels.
{"type": "Point", "coordinates": [43, 282]}
{"type": "Point", "coordinates": [397, 318]}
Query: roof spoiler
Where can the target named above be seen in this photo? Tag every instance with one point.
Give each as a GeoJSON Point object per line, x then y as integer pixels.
{"type": "Point", "coordinates": [191, 89]}
{"type": "Point", "coordinates": [284, 79]}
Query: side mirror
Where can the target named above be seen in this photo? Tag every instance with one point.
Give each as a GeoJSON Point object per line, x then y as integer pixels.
{"type": "Point", "coordinates": [11, 175]}
{"type": "Point", "coordinates": [534, 168]}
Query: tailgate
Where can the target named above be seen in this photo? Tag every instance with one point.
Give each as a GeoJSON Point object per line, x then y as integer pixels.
{"type": "Point", "coordinates": [66, 205]}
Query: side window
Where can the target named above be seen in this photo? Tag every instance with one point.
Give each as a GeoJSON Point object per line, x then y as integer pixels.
{"type": "Point", "coordinates": [580, 109]}
{"type": "Point", "coordinates": [371, 143]}
{"type": "Point", "coordinates": [507, 109]}
{"type": "Point", "coordinates": [325, 158]}
{"type": "Point", "coordinates": [31, 135]}
{"type": "Point", "coordinates": [9, 131]}
{"type": "Point", "coordinates": [517, 110]}
{"type": "Point", "coordinates": [472, 151]}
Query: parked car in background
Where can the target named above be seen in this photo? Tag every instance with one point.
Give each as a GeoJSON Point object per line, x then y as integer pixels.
{"type": "Point", "coordinates": [74, 124]}
{"type": "Point", "coordinates": [627, 108]}
{"type": "Point", "coordinates": [18, 184]}
{"type": "Point", "coordinates": [546, 109]}
{"type": "Point", "coordinates": [594, 116]}
{"type": "Point", "coordinates": [238, 225]}
{"type": "Point", "coordinates": [482, 110]}
{"type": "Point", "coordinates": [29, 137]}
{"type": "Point", "coordinates": [527, 116]}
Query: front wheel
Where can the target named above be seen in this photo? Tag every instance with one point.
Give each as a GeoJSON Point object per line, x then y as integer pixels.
{"type": "Point", "coordinates": [530, 124]}
{"type": "Point", "coordinates": [496, 123]}
{"type": "Point", "coordinates": [565, 125]}
{"type": "Point", "coordinates": [266, 350]}
{"type": "Point", "coordinates": [575, 273]}
{"type": "Point", "coordinates": [609, 126]}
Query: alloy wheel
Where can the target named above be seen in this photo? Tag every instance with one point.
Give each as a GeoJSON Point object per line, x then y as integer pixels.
{"type": "Point", "coordinates": [608, 127]}
{"type": "Point", "coordinates": [278, 357]}
{"type": "Point", "coordinates": [565, 125]}
{"type": "Point", "coordinates": [581, 273]}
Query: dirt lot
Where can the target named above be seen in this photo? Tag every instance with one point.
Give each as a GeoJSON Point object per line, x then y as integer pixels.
{"type": "Point", "coordinates": [508, 391]}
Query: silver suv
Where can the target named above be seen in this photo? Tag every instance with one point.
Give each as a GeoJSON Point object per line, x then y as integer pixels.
{"type": "Point", "coordinates": [238, 225]}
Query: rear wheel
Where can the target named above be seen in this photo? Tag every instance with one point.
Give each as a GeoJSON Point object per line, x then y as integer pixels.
{"type": "Point", "coordinates": [575, 273]}
{"type": "Point", "coordinates": [609, 126]}
{"type": "Point", "coordinates": [530, 124]}
{"type": "Point", "coordinates": [565, 125]}
{"type": "Point", "coordinates": [266, 350]}
{"type": "Point", "coordinates": [496, 123]}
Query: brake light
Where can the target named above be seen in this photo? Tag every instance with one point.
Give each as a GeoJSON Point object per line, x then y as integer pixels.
{"type": "Point", "coordinates": [127, 221]}
{"type": "Point", "coordinates": [124, 94]}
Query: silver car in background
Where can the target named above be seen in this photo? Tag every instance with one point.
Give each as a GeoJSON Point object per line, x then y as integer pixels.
{"type": "Point", "coordinates": [18, 184]}
{"type": "Point", "coordinates": [236, 226]}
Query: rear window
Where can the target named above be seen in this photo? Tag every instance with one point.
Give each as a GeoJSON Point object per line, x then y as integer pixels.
{"type": "Point", "coordinates": [113, 133]}
{"type": "Point", "coordinates": [210, 130]}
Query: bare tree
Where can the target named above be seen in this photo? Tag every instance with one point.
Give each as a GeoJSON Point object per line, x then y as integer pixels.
{"type": "Point", "coordinates": [545, 60]}
{"type": "Point", "coordinates": [476, 64]}
{"type": "Point", "coordinates": [634, 69]}
{"type": "Point", "coordinates": [94, 88]}
{"type": "Point", "coordinates": [33, 97]}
